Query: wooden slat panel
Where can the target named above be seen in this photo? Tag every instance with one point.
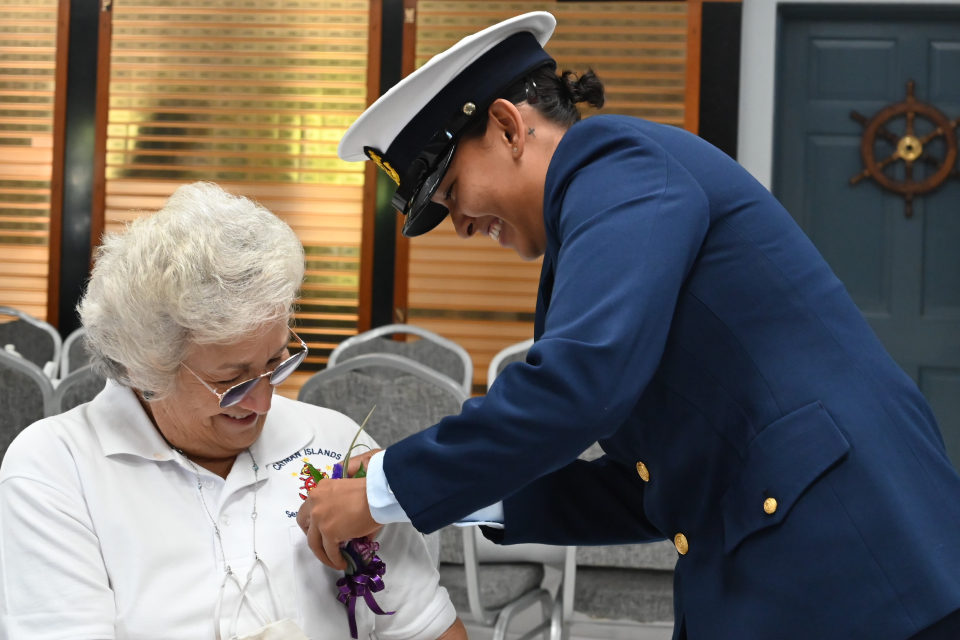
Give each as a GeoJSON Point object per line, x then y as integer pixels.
{"type": "Point", "coordinates": [28, 39]}
{"type": "Point", "coordinates": [472, 291]}
{"type": "Point", "coordinates": [255, 96]}
{"type": "Point", "coordinates": [638, 49]}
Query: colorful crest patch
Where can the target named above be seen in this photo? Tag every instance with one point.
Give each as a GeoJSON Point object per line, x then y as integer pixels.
{"type": "Point", "coordinates": [383, 164]}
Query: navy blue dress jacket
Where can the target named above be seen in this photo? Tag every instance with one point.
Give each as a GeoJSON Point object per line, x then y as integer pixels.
{"type": "Point", "coordinates": [686, 322]}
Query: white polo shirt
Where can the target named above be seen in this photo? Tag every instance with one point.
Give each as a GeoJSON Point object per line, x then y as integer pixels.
{"type": "Point", "coordinates": [103, 534]}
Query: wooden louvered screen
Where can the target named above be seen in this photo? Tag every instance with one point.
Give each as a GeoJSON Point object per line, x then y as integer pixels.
{"type": "Point", "coordinates": [254, 95]}
{"type": "Point", "coordinates": [28, 39]}
{"type": "Point", "coordinates": [473, 291]}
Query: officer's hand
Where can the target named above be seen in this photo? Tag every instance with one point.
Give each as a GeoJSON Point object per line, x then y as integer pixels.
{"type": "Point", "coordinates": [355, 462]}
{"type": "Point", "coordinates": [336, 511]}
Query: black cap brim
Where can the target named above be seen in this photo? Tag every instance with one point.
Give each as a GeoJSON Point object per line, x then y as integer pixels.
{"type": "Point", "coordinates": [428, 219]}
{"type": "Point", "coordinates": [424, 215]}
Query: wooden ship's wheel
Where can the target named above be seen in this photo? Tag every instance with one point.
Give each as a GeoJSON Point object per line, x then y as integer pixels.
{"type": "Point", "coordinates": [910, 147]}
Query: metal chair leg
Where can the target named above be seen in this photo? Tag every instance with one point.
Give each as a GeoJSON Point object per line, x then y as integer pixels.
{"type": "Point", "coordinates": [508, 613]}
{"type": "Point", "coordinates": [556, 618]}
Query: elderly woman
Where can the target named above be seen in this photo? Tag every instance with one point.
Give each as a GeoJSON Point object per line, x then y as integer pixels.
{"type": "Point", "coordinates": [144, 513]}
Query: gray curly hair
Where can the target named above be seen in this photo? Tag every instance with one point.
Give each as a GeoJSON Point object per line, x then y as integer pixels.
{"type": "Point", "coordinates": [208, 268]}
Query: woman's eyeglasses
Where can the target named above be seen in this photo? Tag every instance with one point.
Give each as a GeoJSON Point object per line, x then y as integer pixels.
{"type": "Point", "coordinates": [238, 392]}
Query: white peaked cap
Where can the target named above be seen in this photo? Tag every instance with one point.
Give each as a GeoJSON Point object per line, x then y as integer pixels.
{"type": "Point", "coordinates": [383, 121]}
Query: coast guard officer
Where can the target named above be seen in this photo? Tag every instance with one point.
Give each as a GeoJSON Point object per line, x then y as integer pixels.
{"type": "Point", "coordinates": [747, 411]}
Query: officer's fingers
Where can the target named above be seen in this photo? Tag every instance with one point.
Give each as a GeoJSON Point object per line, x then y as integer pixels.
{"type": "Point", "coordinates": [355, 462]}
{"type": "Point", "coordinates": [315, 542]}
{"type": "Point", "coordinates": [332, 549]}
{"type": "Point", "coordinates": [303, 516]}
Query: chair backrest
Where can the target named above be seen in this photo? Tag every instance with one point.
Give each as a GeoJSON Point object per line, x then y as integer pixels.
{"type": "Point", "coordinates": [75, 354]}
{"type": "Point", "coordinates": [26, 395]}
{"type": "Point", "coordinates": [34, 339]}
{"type": "Point", "coordinates": [79, 387]}
{"type": "Point", "coordinates": [431, 350]}
{"type": "Point", "coordinates": [417, 398]}
{"type": "Point", "coordinates": [513, 353]}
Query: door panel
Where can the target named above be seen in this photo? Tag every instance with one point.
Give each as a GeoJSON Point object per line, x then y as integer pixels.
{"type": "Point", "coordinates": [838, 65]}
{"type": "Point", "coordinates": [945, 72]}
{"type": "Point", "coordinates": [942, 389]}
{"type": "Point", "coordinates": [903, 273]}
{"type": "Point", "coordinates": [941, 268]}
{"type": "Point", "coordinates": [854, 244]}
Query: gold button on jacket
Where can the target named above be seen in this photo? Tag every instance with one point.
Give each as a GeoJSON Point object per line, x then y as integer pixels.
{"type": "Point", "coordinates": [770, 505]}
{"type": "Point", "coordinates": [680, 541]}
{"type": "Point", "coordinates": [643, 471]}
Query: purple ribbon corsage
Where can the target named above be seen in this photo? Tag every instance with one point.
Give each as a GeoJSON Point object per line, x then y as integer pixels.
{"type": "Point", "coordinates": [365, 569]}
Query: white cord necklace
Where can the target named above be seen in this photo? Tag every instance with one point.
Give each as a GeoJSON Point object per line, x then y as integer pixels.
{"type": "Point", "coordinates": [216, 529]}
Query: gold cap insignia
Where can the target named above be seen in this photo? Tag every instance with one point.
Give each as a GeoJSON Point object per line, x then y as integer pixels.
{"type": "Point", "coordinates": [380, 162]}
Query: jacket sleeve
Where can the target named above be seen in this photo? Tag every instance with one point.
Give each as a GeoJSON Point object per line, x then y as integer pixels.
{"type": "Point", "coordinates": [563, 508]}
{"type": "Point", "coordinates": [630, 226]}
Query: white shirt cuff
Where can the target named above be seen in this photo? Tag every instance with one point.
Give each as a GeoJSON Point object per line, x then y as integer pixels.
{"type": "Point", "coordinates": [491, 516]}
{"type": "Point", "coordinates": [383, 504]}
{"type": "Point", "coordinates": [385, 508]}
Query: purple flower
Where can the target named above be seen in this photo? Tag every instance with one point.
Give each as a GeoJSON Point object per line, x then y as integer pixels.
{"type": "Point", "coordinates": [365, 548]}
{"type": "Point", "coordinates": [337, 472]}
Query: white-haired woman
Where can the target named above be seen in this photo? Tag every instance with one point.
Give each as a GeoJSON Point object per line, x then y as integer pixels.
{"type": "Point", "coordinates": [143, 513]}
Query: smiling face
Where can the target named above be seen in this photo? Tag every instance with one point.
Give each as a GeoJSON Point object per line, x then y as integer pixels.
{"type": "Point", "coordinates": [191, 418]}
{"type": "Point", "coordinates": [494, 185]}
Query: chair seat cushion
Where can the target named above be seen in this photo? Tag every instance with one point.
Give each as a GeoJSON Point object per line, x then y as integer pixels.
{"type": "Point", "coordinates": [451, 545]}
{"type": "Point", "coordinates": [644, 595]}
{"type": "Point", "coordinates": [650, 555]}
{"type": "Point", "coordinates": [500, 584]}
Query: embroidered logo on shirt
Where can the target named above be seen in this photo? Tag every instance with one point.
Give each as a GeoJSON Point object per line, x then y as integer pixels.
{"type": "Point", "coordinates": [307, 451]}
{"type": "Point", "coordinates": [301, 457]}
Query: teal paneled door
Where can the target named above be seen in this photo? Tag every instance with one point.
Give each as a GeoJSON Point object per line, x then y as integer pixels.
{"type": "Point", "coordinates": [903, 272]}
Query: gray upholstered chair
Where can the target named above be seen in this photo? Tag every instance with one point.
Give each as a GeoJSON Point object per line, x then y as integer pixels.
{"type": "Point", "coordinates": [495, 584]}
{"type": "Point", "coordinates": [431, 350]}
{"type": "Point", "coordinates": [563, 607]}
{"type": "Point", "coordinates": [26, 395]}
{"type": "Point", "coordinates": [413, 398]}
{"type": "Point", "coordinates": [513, 353]}
{"type": "Point", "coordinates": [74, 354]}
{"type": "Point", "coordinates": [79, 387]}
{"type": "Point", "coordinates": [33, 339]}
{"type": "Point", "coordinates": [410, 397]}
{"type": "Point", "coordinates": [633, 582]}
{"type": "Point", "coordinates": [627, 582]}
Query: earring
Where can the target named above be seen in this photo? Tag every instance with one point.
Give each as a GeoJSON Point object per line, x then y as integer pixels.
{"type": "Point", "coordinates": [514, 149]}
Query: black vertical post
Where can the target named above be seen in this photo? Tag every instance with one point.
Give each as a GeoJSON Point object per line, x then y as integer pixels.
{"type": "Point", "coordinates": [385, 233]}
{"type": "Point", "coordinates": [720, 74]}
{"type": "Point", "coordinates": [78, 159]}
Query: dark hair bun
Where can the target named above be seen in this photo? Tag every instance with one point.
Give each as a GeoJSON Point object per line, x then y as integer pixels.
{"type": "Point", "coordinates": [586, 88]}
{"type": "Point", "coordinates": [556, 96]}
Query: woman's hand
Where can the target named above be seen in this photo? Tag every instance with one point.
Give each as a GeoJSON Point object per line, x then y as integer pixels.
{"type": "Point", "coordinates": [336, 511]}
